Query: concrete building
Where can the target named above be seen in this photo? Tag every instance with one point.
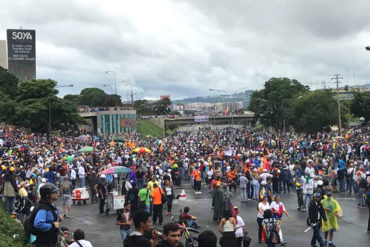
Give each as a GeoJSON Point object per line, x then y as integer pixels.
{"type": "Point", "coordinates": [3, 56]}
{"type": "Point", "coordinates": [109, 121]}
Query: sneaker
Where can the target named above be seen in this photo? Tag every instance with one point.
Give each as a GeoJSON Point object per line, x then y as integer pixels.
{"type": "Point", "coordinates": [332, 245]}
{"type": "Point", "coordinates": [304, 210]}
{"type": "Point", "coordinates": [283, 243]}
{"type": "Point", "coordinates": [299, 208]}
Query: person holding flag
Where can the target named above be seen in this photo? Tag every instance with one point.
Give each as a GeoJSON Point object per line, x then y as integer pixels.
{"type": "Point", "coordinates": [278, 209]}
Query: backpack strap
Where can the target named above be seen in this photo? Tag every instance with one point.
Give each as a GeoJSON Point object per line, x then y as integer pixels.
{"type": "Point", "coordinates": [78, 243]}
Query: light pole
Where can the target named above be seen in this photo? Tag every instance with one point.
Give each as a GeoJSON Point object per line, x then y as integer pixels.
{"type": "Point", "coordinates": [115, 82]}
{"type": "Point", "coordinates": [337, 77]}
{"type": "Point", "coordinates": [49, 129]}
{"type": "Point", "coordinates": [105, 95]}
{"type": "Point", "coordinates": [367, 48]}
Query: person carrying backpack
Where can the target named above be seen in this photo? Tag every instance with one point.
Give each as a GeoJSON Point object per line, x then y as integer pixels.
{"type": "Point", "coordinates": [44, 219]}
{"type": "Point", "coordinates": [270, 229]}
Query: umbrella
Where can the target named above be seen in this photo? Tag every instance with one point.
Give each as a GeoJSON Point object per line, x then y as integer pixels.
{"type": "Point", "coordinates": [83, 138]}
{"type": "Point", "coordinates": [118, 139]}
{"type": "Point", "coordinates": [142, 150]}
{"type": "Point", "coordinates": [86, 149]}
{"type": "Point", "coordinates": [117, 169]}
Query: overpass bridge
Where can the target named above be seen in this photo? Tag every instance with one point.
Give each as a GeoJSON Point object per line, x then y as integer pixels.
{"type": "Point", "coordinates": [243, 120]}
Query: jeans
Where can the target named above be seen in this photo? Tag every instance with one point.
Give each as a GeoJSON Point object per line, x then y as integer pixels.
{"type": "Point", "coordinates": [361, 198]}
{"type": "Point", "coordinates": [193, 223]}
{"type": "Point", "coordinates": [300, 197]}
{"type": "Point", "coordinates": [158, 213]}
{"type": "Point", "coordinates": [316, 235]}
{"type": "Point", "coordinates": [197, 185]}
{"type": "Point", "coordinates": [82, 182]}
{"type": "Point", "coordinates": [94, 199]}
{"type": "Point", "coordinates": [259, 222]}
{"type": "Point", "coordinates": [305, 196]}
{"type": "Point", "coordinates": [256, 189]}
{"type": "Point", "coordinates": [9, 203]}
{"type": "Point", "coordinates": [243, 195]}
{"type": "Point", "coordinates": [350, 185]}
{"type": "Point", "coordinates": [140, 182]}
{"type": "Point", "coordinates": [101, 205]}
{"type": "Point", "coordinates": [124, 234]}
{"type": "Point", "coordinates": [342, 187]}
{"type": "Point", "coordinates": [169, 203]}
{"type": "Point", "coordinates": [286, 186]}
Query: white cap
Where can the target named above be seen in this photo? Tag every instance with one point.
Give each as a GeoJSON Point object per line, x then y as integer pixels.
{"type": "Point", "coordinates": [102, 176]}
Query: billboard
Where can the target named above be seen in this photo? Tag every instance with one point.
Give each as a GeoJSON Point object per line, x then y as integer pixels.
{"type": "Point", "coordinates": [201, 119]}
{"type": "Point", "coordinates": [22, 53]}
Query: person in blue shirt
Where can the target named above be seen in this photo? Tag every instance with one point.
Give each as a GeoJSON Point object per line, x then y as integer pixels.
{"type": "Point", "coordinates": [50, 176]}
{"type": "Point", "coordinates": [47, 218]}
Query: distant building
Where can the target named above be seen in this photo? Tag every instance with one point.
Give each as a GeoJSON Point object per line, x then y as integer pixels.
{"type": "Point", "coordinates": [108, 120]}
{"type": "Point", "coordinates": [3, 56]}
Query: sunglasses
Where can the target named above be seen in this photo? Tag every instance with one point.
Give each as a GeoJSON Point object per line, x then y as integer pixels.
{"type": "Point", "coordinates": [66, 233]}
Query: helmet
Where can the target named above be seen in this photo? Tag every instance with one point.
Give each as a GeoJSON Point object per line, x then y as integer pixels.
{"type": "Point", "coordinates": [47, 189]}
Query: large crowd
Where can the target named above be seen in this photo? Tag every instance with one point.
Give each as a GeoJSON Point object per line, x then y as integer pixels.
{"type": "Point", "coordinates": [260, 164]}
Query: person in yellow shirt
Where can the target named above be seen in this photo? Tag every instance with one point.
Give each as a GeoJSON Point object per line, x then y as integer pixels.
{"type": "Point", "coordinates": [152, 182]}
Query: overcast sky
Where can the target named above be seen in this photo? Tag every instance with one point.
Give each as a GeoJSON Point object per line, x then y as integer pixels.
{"type": "Point", "coordinates": [185, 47]}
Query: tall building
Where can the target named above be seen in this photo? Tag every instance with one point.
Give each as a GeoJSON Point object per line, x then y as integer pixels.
{"type": "Point", "coordinates": [22, 53]}
{"type": "Point", "coordinates": [3, 57]}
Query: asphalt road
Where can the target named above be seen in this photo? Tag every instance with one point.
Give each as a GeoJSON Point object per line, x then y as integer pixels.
{"type": "Point", "coordinates": [102, 231]}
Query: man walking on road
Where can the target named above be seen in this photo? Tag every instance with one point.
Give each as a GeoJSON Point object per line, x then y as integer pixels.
{"type": "Point", "coordinates": [316, 212]}
{"type": "Point", "coordinates": [243, 188]}
{"type": "Point", "coordinates": [157, 204]}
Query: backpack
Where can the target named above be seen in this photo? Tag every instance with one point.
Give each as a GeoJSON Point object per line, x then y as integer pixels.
{"type": "Point", "coordinates": [28, 223]}
{"type": "Point", "coordinates": [363, 183]}
{"type": "Point", "coordinates": [273, 236]}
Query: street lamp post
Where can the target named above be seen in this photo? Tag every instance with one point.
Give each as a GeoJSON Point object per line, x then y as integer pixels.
{"type": "Point", "coordinates": [49, 129]}
{"type": "Point", "coordinates": [115, 82]}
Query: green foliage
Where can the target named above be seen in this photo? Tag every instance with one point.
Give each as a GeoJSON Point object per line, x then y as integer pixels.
{"type": "Point", "coordinates": [29, 107]}
{"type": "Point", "coordinates": [314, 111]}
{"type": "Point", "coordinates": [11, 232]}
{"type": "Point", "coordinates": [271, 103]}
{"type": "Point", "coordinates": [8, 83]}
{"type": "Point", "coordinates": [94, 97]}
{"type": "Point", "coordinates": [142, 107]}
{"type": "Point", "coordinates": [360, 106]}
{"type": "Point", "coordinates": [161, 107]}
{"type": "Point", "coordinates": [147, 127]}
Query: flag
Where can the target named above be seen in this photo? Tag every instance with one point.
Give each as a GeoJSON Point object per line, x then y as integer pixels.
{"type": "Point", "coordinates": [226, 110]}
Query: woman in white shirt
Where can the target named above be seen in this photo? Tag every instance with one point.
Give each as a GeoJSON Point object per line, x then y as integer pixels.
{"type": "Point", "coordinates": [262, 206]}
{"type": "Point", "coordinates": [79, 238]}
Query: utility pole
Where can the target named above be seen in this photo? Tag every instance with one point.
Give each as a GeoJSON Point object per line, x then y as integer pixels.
{"type": "Point", "coordinates": [337, 77]}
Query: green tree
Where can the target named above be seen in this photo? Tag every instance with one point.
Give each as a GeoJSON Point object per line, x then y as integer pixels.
{"type": "Point", "coordinates": [162, 106]}
{"type": "Point", "coordinates": [271, 104]}
{"type": "Point", "coordinates": [8, 83]}
{"type": "Point", "coordinates": [360, 106]}
{"type": "Point", "coordinates": [142, 107]}
{"type": "Point", "coordinates": [313, 111]}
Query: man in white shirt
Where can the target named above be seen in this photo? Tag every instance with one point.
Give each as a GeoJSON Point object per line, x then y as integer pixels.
{"type": "Point", "coordinates": [240, 228]}
{"type": "Point", "coordinates": [278, 209]}
{"type": "Point", "coordinates": [265, 175]}
{"type": "Point", "coordinates": [81, 175]}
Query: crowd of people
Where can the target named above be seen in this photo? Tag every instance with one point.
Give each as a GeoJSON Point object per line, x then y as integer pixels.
{"type": "Point", "coordinates": [260, 164]}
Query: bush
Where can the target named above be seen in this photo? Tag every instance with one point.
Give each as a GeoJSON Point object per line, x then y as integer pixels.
{"type": "Point", "coordinates": [11, 231]}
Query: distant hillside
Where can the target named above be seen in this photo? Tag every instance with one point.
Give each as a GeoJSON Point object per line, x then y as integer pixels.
{"type": "Point", "coordinates": [243, 96]}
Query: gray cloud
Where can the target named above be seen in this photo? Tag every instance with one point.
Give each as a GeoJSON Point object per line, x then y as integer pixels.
{"type": "Point", "coordinates": [185, 47]}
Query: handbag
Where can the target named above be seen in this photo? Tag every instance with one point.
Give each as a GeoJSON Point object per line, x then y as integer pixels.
{"type": "Point", "coordinates": [246, 240]}
{"type": "Point", "coordinates": [163, 197]}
